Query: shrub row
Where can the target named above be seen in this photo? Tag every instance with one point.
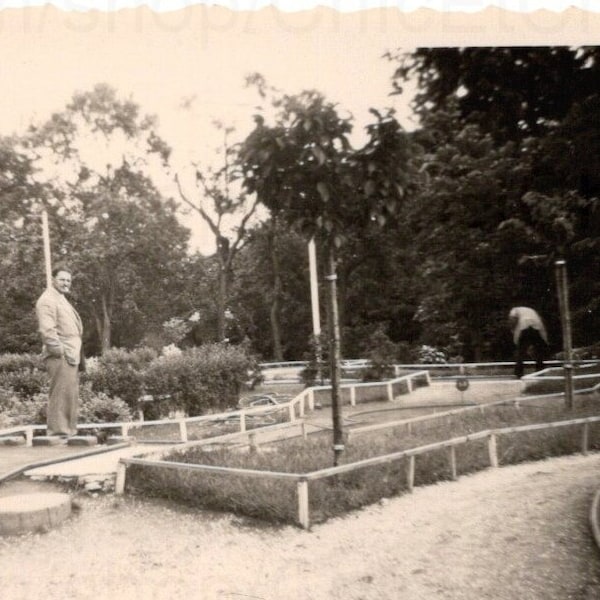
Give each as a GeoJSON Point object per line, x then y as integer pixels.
{"type": "Point", "coordinates": [198, 380]}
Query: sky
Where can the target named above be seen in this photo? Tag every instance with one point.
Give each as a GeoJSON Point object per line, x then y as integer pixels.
{"type": "Point", "coordinates": [188, 66]}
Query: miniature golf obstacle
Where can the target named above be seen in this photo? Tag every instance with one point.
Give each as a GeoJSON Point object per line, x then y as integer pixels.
{"type": "Point", "coordinates": [24, 513]}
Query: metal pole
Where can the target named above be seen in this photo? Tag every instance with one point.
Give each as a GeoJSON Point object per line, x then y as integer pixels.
{"type": "Point", "coordinates": [334, 358]}
{"type": "Point", "coordinates": [565, 319]}
{"type": "Point", "coordinates": [46, 238]}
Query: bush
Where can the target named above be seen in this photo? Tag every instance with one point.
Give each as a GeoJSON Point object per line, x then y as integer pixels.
{"type": "Point", "coordinates": [18, 362]}
{"type": "Point", "coordinates": [380, 351]}
{"type": "Point", "coordinates": [25, 382]}
{"type": "Point", "coordinates": [431, 355]}
{"type": "Point", "coordinates": [15, 410]}
{"type": "Point", "coordinates": [98, 407]}
{"type": "Point", "coordinates": [120, 374]}
{"type": "Point", "coordinates": [202, 379]}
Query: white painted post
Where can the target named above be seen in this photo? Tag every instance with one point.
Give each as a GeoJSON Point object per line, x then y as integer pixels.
{"type": "Point", "coordinates": [47, 258]}
{"type": "Point", "coordinates": [252, 441]}
{"type": "Point", "coordinates": [183, 430]}
{"type": "Point", "coordinates": [301, 407]}
{"type": "Point", "coordinates": [585, 439]}
{"type": "Point", "coordinates": [410, 473]}
{"type": "Point", "coordinates": [311, 399]}
{"type": "Point", "coordinates": [292, 413]}
{"type": "Point", "coordinates": [353, 395]}
{"type": "Point", "coordinates": [493, 451]}
{"type": "Point", "coordinates": [120, 478]}
{"type": "Point", "coordinates": [453, 462]}
{"type": "Point", "coordinates": [29, 436]}
{"type": "Point", "coordinates": [242, 421]}
{"type": "Point", "coordinates": [410, 384]}
{"type": "Point", "coordinates": [303, 508]}
{"type": "Point", "coordinates": [390, 392]}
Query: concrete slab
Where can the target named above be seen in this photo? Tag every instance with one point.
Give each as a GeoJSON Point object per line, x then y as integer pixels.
{"type": "Point", "coordinates": [23, 513]}
{"type": "Point", "coordinates": [82, 440]}
{"type": "Point", "coordinates": [104, 464]}
{"type": "Point", "coordinates": [15, 440]}
{"type": "Point", "coordinates": [48, 440]}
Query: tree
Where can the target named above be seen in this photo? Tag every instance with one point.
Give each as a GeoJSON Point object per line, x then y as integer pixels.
{"type": "Point", "coordinates": [21, 252]}
{"type": "Point", "coordinates": [217, 186]}
{"type": "Point", "coordinates": [108, 218]}
{"type": "Point", "coordinates": [271, 292]}
{"type": "Point", "coordinates": [305, 171]}
{"type": "Point", "coordinates": [511, 92]}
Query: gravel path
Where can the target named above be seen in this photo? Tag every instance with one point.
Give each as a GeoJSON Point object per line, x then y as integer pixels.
{"type": "Point", "coordinates": [505, 534]}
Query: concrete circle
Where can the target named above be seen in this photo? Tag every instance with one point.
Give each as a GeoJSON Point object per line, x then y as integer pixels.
{"type": "Point", "coordinates": [23, 513]}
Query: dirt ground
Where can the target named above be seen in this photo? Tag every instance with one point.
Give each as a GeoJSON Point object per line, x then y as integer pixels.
{"type": "Point", "coordinates": [519, 532]}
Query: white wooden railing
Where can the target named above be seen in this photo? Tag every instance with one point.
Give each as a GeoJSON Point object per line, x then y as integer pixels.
{"type": "Point", "coordinates": [302, 479]}
{"type": "Point", "coordinates": [297, 406]}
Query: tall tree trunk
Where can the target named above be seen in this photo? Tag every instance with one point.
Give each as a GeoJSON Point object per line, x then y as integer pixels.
{"type": "Point", "coordinates": [275, 293]}
{"type": "Point", "coordinates": [224, 264]}
{"type": "Point", "coordinates": [334, 357]}
{"type": "Point", "coordinates": [105, 337]}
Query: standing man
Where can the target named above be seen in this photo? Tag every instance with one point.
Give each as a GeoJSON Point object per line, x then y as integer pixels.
{"type": "Point", "coordinates": [61, 331]}
{"type": "Point", "coordinates": [528, 332]}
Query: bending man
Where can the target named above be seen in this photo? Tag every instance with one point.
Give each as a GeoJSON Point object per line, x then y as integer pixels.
{"type": "Point", "coordinates": [61, 331]}
{"type": "Point", "coordinates": [528, 332]}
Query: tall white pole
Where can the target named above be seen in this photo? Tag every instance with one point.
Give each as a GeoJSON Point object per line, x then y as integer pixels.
{"type": "Point", "coordinates": [314, 288]}
{"type": "Point", "coordinates": [314, 296]}
{"type": "Point", "coordinates": [46, 237]}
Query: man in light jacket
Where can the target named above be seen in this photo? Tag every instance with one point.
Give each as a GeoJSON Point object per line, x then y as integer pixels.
{"type": "Point", "coordinates": [61, 330]}
{"type": "Point", "coordinates": [528, 332]}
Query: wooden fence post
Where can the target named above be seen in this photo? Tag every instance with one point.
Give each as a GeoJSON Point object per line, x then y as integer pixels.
{"type": "Point", "coordinates": [410, 473]}
{"type": "Point", "coordinates": [242, 421]}
{"type": "Point", "coordinates": [120, 478]}
{"type": "Point", "coordinates": [493, 451]}
{"type": "Point", "coordinates": [353, 396]}
{"type": "Point", "coordinates": [183, 430]}
{"type": "Point", "coordinates": [390, 392]}
{"type": "Point", "coordinates": [585, 439]}
{"type": "Point", "coordinates": [453, 462]}
{"type": "Point", "coordinates": [303, 507]}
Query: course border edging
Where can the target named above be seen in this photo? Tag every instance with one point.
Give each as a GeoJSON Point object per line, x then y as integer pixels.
{"type": "Point", "coordinates": [594, 517]}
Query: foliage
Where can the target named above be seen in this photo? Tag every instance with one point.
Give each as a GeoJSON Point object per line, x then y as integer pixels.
{"type": "Point", "coordinates": [17, 410]}
{"type": "Point", "coordinates": [98, 407]}
{"type": "Point", "coordinates": [430, 355]}
{"type": "Point", "coordinates": [121, 374]}
{"type": "Point", "coordinates": [24, 374]}
{"type": "Point", "coordinates": [200, 380]}
{"type": "Point", "coordinates": [511, 91]}
{"type": "Point", "coordinates": [380, 351]}
{"type": "Point", "coordinates": [253, 292]}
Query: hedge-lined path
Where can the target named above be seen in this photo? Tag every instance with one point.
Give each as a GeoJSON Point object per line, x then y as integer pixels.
{"type": "Point", "coordinates": [519, 532]}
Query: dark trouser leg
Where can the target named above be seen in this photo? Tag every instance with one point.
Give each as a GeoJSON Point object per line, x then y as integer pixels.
{"type": "Point", "coordinates": [63, 397]}
{"type": "Point", "coordinates": [520, 357]}
{"type": "Point", "coordinates": [530, 338]}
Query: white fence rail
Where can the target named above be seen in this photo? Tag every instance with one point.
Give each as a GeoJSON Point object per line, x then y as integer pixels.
{"type": "Point", "coordinates": [292, 409]}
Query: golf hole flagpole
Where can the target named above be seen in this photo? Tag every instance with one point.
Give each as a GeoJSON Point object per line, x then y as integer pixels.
{"type": "Point", "coordinates": [46, 238]}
